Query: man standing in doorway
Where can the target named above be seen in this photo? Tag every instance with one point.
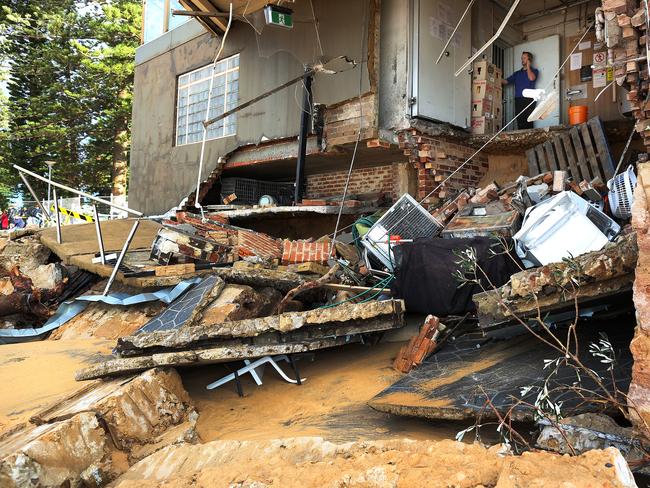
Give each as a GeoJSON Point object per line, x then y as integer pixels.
{"type": "Point", "coordinates": [524, 78]}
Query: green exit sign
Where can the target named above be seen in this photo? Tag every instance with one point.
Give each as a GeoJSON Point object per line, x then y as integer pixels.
{"type": "Point", "coordinates": [278, 16]}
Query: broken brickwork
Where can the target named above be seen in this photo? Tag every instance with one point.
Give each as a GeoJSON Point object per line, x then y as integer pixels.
{"type": "Point", "coordinates": [304, 251]}
{"type": "Point", "coordinates": [342, 120]}
{"type": "Point", "coordinates": [436, 159]}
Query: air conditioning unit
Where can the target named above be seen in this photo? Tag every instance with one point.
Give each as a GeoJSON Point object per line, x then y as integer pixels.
{"type": "Point", "coordinates": [405, 220]}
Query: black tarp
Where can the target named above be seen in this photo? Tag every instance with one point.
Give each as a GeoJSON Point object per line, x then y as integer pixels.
{"type": "Point", "coordinates": [426, 278]}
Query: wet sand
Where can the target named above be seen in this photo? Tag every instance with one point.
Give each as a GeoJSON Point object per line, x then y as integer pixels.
{"type": "Point", "coordinates": [34, 375]}
{"type": "Point", "coordinates": [330, 404]}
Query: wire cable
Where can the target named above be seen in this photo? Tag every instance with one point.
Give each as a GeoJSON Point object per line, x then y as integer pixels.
{"type": "Point", "coordinates": [313, 14]}
{"type": "Point", "coordinates": [494, 136]}
{"type": "Point", "coordinates": [207, 115]}
{"type": "Point", "coordinates": [359, 130]}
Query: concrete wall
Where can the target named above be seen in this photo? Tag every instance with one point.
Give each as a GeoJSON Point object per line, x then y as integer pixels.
{"type": "Point", "coordinates": [161, 173]}
{"type": "Point", "coordinates": [393, 53]}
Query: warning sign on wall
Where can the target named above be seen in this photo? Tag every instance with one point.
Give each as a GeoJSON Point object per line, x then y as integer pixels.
{"type": "Point", "coordinates": [600, 60]}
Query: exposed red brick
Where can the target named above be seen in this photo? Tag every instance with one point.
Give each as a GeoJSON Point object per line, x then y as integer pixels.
{"type": "Point", "coordinates": [295, 252]}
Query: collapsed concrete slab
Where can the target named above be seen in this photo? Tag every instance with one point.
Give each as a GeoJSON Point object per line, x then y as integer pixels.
{"type": "Point", "coordinates": [93, 435]}
{"type": "Point", "coordinates": [316, 462]}
{"type": "Point", "coordinates": [289, 333]}
{"type": "Point", "coordinates": [349, 314]}
{"type": "Point", "coordinates": [556, 286]}
{"type": "Point", "coordinates": [203, 356]}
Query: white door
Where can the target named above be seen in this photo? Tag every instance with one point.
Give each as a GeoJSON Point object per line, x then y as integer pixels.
{"type": "Point", "coordinates": [546, 54]}
{"type": "Point", "coordinates": [435, 92]}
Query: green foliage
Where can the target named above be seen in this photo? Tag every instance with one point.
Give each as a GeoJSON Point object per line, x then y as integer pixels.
{"type": "Point", "coordinates": [70, 76]}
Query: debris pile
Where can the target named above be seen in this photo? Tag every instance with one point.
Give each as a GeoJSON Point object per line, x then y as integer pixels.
{"type": "Point", "coordinates": [193, 288]}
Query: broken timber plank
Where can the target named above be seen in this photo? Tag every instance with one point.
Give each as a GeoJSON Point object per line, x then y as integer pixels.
{"type": "Point", "coordinates": [541, 159]}
{"type": "Point", "coordinates": [574, 132]}
{"type": "Point", "coordinates": [550, 156]}
{"type": "Point", "coordinates": [604, 153]}
{"type": "Point", "coordinates": [565, 141]}
{"type": "Point", "coordinates": [560, 153]}
{"type": "Point", "coordinates": [533, 165]}
{"type": "Point", "coordinates": [591, 154]}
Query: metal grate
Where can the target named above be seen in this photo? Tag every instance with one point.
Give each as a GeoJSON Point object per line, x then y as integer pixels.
{"type": "Point", "coordinates": [408, 220]}
{"type": "Point", "coordinates": [249, 191]}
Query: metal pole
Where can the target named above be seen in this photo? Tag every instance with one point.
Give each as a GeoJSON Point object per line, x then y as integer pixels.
{"type": "Point", "coordinates": [59, 238]}
{"type": "Point", "coordinates": [120, 258]}
{"type": "Point", "coordinates": [78, 192]}
{"type": "Point", "coordinates": [305, 127]}
{"type": "Point", "coordinates": [49, 186]}
{"type": "Point", "coordinates": [100, 240]}
{"type": "Point", "coordinates": [257, 99]}
{"type": "Point", "coordinates": [38, 202]}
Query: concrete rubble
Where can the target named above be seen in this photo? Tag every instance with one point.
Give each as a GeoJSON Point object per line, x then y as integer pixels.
{"type": "Point", "coordinates": [91, 437]}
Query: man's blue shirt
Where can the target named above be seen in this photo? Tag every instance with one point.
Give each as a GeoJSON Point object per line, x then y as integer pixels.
{"type": "Point", "coordinates": [521, 81]}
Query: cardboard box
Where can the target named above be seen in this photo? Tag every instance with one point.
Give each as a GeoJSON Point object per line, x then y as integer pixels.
{"type": "Point", "coordinates": [484, 71]}
{"type": "Point", "coordinates": [483, 90]}
{"type": "Point", "coordinates": [482, 125]}
{"type": "Point", "coordinates": [482, 107]}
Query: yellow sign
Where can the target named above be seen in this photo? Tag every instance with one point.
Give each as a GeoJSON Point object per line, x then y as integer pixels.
{"type": "Point", "coordinates": [74, 215]}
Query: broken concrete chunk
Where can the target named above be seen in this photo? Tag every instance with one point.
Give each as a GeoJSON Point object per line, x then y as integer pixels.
{"type": "Point", "coordinates": [28, 253]}
{"type": "Point", "coordinates": [145, 407]}
{"type": "Point", "coordinates": [594, 468]}
{"type": "Point", "coordinates": [55, 455]}
{"type": "Point", "coordinates": [590, 431]}
{"type": "Point", "coordinates": [239, 302]}
{"type": "Point", "coordinates": [589, 276]}
{"type": "Point", "coordinates": [46, 276]}
{"type": "Point", "coordinates": [218, 354]}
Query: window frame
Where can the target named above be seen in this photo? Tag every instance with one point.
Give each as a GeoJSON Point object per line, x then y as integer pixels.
{"type": "Point", "coordinates": [187, 86]}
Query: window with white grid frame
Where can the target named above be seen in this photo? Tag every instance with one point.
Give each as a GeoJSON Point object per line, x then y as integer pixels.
{"type": "Point", "coordinates": [192, 101]}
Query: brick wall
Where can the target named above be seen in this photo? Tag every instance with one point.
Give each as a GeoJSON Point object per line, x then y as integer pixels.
{"type": "Point", "coordinates": [295, 252]}
{"type": "Point", "coordinates": [364, 180]}
{"type": "Point", "coordinates": [436, 159]}
{"type": "Point", "coordinates": [342, 120]}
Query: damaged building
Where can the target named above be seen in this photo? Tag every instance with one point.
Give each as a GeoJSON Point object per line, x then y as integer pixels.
{"type": "Point", "coordinates": [342, 222]}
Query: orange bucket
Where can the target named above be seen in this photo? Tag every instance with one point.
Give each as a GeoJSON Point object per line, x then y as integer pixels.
{"type": "Point", "coordinates": [578, 114]}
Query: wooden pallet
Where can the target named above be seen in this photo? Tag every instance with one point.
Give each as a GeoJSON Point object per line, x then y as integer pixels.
{"type": "Point", "coordinates": [582, 151]}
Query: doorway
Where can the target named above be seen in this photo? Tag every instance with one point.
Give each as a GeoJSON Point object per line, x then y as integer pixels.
{"type": "Point", "coordinates": [502, 58]}
{"type": "Point", "coordinates": [546, 54]}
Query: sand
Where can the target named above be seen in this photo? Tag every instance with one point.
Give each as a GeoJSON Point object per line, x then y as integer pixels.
{"type": "Point", "coordinates": [35, 374]}
{"type": "Point", "coordinates": [330, 404]}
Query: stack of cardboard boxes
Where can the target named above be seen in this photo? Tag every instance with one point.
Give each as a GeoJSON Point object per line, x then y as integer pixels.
{"type": "Point", "coordinates": [487, 98]}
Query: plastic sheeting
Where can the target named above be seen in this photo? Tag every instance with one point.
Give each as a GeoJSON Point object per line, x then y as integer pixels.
{"type": "Point", "coordinates": [72, 308]}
